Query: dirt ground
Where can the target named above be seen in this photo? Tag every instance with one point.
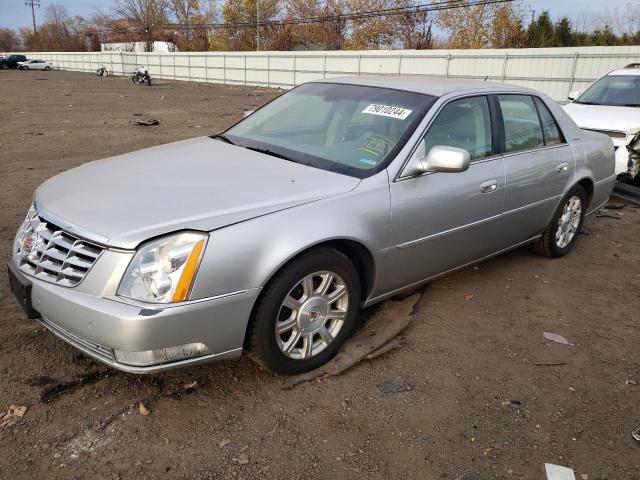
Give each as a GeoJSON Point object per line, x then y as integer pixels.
{"type": "Point", "coordinates": [481, 404]}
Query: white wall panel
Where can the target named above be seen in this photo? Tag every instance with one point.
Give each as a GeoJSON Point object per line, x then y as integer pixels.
{"type": "Point", "coordinates": [554, 71]}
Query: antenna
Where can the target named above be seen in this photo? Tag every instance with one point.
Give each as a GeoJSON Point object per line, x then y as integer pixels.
{"type": "Point", "coordinates": [32, 4]}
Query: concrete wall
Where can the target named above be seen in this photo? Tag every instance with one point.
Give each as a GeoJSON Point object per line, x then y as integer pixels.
{"type": "Point", "coordinates": [555, 71]}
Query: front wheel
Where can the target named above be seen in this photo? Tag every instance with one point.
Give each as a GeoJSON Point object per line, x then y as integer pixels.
{"type": "Point", "coordinates": [562, 232]}
{"type": "Point", "coordinates": [306, 312]}
{"type": "Point", "coordinates": [47, 68]}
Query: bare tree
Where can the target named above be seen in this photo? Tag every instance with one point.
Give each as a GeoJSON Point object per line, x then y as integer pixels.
{"type": "Point", "coordinates": [328, 35]}
{"type": "Point", "coordinates": [413, 29]}
{"type": "Point", "coordinates": [56, 14]}
{"type": "Point", "coordinates": [148, 15]}
{"type": "Point", "coordinates": [192, 16]}
{"type": "Point", "coordinates": [8, 40]}
{"type": "Point", "coordinates": [371, 32]}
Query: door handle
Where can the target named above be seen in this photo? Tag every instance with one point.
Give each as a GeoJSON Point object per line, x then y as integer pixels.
{"type": "Point", "coordinates": [562, 167]}
{"type": "Point", "coordinates": [489, 186]}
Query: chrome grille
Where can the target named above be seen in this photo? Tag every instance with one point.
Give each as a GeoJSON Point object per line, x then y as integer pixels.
{"type": "Point", "coordinates": [47, 252]}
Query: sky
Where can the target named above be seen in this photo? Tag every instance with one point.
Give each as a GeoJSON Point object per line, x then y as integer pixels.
{"type": "Point", "coordinates": [14, 13]}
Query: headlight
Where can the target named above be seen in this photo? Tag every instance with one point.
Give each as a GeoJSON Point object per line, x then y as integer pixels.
{"type": "Point", "coordinates": [163, 271]}
{"type": "Point", "coordinates": [25, 242]}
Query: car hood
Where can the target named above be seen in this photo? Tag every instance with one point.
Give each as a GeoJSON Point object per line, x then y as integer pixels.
{"type": "Point", "coordinates": [199, 184]}
{"type": "Point", "coordinates": [605, 117]}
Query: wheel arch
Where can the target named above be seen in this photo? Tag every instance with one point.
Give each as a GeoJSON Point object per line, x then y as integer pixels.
{"type": "Point", "coordinates": [356, 251]}
{"type": "Point", "coordinates": [588, 185]}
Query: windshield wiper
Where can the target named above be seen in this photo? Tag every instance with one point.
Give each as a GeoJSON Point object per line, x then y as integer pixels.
{"type": "Point", "coordinates": [224, 138]}
{"type": "Point", "coordinates": [266, 151]}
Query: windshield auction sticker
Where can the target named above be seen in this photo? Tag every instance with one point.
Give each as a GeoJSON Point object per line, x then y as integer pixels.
{"type": "Point", "coordinates": [387, 111]}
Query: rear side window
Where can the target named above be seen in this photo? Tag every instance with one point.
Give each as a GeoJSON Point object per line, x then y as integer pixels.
{"type": "Point", "coordinates": [521, 123]}
{"type": "Point", "coordinates": [464, 123]}
{"type": "Point", "coordinates": [552, 134]}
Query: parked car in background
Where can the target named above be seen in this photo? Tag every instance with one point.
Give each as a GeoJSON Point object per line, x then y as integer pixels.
{"type": "Point", "coordinates": [270, 236]}
{"type": "Point", "coordinates": [11, 61]}
{"type": "Point", "coordinates": [612, 106]}
{"type": "Point", "coordinates": [34, 65]}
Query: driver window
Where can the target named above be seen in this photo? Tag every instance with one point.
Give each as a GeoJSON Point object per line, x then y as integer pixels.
{"type": "Point", "coordinates": [464, 123]}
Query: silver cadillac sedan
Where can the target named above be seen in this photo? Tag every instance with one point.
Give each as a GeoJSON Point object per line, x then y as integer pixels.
{"type": "Point", "coordinates": [272, 235]}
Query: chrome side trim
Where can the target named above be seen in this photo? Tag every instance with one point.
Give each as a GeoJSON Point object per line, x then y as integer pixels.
{"type": "Point", "coordinates": [384, 296]}
{"type": "Point", "coordinates": [447, 232]}
{"type": "Point", "coordinates": [537, 149]}
{"type": "Point", "coordinates": [534, 204]}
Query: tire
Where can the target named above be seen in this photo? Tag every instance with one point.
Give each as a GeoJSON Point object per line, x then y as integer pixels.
{"type": "Point", "coordinates": [316, 333]}
{"type": "Point", "coordinates": [553, 243]}
{"type": "Point", "coordinates": [47, 69]}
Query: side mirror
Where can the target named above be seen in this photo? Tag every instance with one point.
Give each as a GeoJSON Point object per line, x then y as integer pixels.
{"type": "Point", "coordinates": [573, 95]}
{"type": "Point", "coordinates": [440, 158]}
{"type": "Point", "coordinates": [247, 113]}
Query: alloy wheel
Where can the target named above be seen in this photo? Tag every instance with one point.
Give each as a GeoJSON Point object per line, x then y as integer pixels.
{"type": "Point", "coordinates": [312, 315]}
{"type": "Point", "coordinates": [569, 221]}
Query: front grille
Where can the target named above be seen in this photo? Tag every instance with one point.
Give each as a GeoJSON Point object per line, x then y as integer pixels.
{"type": "Point", "coordinates": [92, 348]}
{"type": "Point", "coordinates": [47, 252]}
{"type": "Point", "coordinates": [611, 133]}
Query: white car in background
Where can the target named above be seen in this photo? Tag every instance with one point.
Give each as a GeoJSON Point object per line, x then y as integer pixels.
{"type": "Point", "coordinates": [612, 106]}
{"type": "Point", "coordinates": [34, 65]}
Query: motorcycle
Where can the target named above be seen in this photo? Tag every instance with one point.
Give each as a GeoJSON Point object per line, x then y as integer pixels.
{"type": "Point", "coordinates": [141, 77]}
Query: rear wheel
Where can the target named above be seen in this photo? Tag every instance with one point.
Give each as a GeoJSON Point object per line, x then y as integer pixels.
{"type": "Point", "coordinates": [562, 232]}
{"type": "Point", "coordinates": [306, 312]}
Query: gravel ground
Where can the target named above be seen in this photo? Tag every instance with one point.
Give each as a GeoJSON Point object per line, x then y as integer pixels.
{"type": "Point", "coordinates": [481, 404]}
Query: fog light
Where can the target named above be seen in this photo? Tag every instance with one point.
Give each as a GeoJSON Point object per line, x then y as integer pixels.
{"type": "Point", "coordinates": [162, 355]}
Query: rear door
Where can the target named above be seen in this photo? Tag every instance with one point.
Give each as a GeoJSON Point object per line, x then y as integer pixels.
{"type": "Point", "coordinates": [538, 163]}
{"type": "Point", "coordinates": [441, 221]}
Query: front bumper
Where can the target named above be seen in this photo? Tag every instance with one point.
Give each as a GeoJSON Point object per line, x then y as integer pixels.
{"type": "Point", "coordinates": [98, 325]}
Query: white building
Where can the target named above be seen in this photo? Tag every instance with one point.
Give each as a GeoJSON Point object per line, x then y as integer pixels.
{"type": "Point", "coordinates": [138, 47]}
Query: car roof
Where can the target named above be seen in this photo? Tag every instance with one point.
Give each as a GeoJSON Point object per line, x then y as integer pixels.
{"type": "Point", "coordinates": [626, 71]}
{"type": "Point", "coordinates": [424, 84]}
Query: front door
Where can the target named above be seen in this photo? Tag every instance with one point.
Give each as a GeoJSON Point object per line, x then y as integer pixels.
{"type": "Point", "coordinates": [441, 221]}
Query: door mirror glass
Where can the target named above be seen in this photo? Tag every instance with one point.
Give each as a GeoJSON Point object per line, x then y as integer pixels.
{"type": "Point", "coordinates": [573, 95]}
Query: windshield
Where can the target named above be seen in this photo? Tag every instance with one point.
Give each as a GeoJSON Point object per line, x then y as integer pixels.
{"type": "Point", "coordinates": [615, 90]}
{"type": "Point", "coordinates": [350, 129]}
